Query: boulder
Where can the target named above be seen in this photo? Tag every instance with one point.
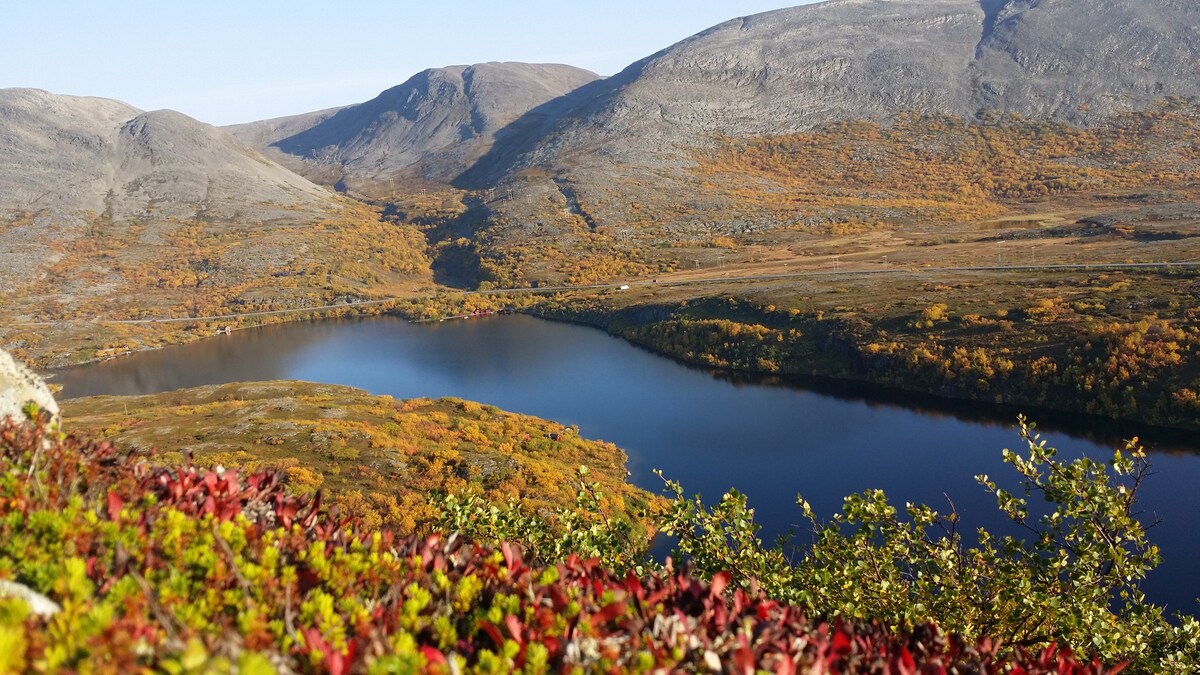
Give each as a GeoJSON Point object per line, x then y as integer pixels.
{"type": "Point", "coordinates": [20, 386]}
{"type": "Point", "coordinates": [38, 603]}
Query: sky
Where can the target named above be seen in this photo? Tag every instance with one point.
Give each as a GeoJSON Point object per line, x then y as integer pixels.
{"type": "Point", "coordinates": [225, 62]}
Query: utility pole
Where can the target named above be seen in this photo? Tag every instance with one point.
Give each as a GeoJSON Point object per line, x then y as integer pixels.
{"type": "Point", "coordinates": [1032, 257]}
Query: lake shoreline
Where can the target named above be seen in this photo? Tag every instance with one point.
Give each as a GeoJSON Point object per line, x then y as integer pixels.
{"type": "Point", "coordinates": [707, 432]}
{"type": "Point", "coordinates": [843, 372]}
{"type": "Point", "coordinates": [1077, 422]}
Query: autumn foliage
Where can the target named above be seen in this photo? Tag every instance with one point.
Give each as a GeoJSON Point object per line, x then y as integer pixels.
{"type": "Point", "coordinates": [191, 570]}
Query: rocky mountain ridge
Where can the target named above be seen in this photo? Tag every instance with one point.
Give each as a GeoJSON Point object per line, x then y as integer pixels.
{"type": "Point", "coordinates": [70, 166]}
{"type": "Point", "coordinates": [431, 127]}
{"type": "Point", "coordinates": [1079, 61]}
{"type": "Point", "coordinates": [779, 72]}
{"type": "Point", "coordinates": [633, 159]}
{"type": "Point", "coordinates": [81, 154]}
{"type": "Point", "coordinates": [109, 213]}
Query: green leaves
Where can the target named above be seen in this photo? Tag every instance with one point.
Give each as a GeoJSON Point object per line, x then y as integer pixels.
{"type": "Point", "coordinates": [1072, 578]}
{"type": "Point", "coordinates": [196, 571]}
{"type": "Point", "coordinates": [584, 530]}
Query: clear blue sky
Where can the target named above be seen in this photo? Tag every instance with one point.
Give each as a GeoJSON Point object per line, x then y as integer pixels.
{"type": "Point", "coordinates": [224, 61]}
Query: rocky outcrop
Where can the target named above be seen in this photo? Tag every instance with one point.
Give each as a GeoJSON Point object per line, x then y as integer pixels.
{"type": "Point", "coordinates": [20, 386]}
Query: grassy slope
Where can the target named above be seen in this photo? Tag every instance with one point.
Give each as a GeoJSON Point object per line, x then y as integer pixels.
{"type": "Point", "coordinates": [950, 187]}
{"type": "Point", "coordinates": [381, 457]}
{"type": "Point", "coordinates": [137, 271]}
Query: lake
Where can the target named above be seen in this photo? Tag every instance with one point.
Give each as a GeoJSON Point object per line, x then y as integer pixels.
{"type": "Point", "coordinates": [706, 430]}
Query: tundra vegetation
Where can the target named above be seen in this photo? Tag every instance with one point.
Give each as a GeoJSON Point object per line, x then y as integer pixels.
{"type": "Point", "coordinates": [378, 458]}
{"type": "Point", "coordinates": [173, 562]}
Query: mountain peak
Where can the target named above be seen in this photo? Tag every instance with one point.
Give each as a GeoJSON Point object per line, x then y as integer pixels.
{"type": "Point", "coordinates": [431, 127]}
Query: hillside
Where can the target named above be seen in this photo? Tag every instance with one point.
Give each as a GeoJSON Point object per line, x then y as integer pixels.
{"type": "Point", "coordinates": [108, 212]}
{"type": "Point", "coordinates": [791, 70]}
{"type": "Point", "coordinates": [430, 128]}
{"type": "Point", "coordinates": [630, 166]}
{"type": "Point", "coordinates": [382, 459]}
{"type": "Point", "coordinates": [71, 165]}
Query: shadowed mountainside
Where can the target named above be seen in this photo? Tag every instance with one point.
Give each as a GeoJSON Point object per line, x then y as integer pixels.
{"type": "Point", "coordinates": [432, 127]}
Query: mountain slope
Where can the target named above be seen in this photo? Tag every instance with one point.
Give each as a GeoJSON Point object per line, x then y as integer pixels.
{"type": "Point", "coordinates": [108, 212]}
{"type": "Point", "coordinates": [647, 150]}
{"type": "Point", "coordinates": [76, 155]}
{"type": "Point", "coordinates": [794, 69]}
{"type": "Point", "coordinates": [432, 127]}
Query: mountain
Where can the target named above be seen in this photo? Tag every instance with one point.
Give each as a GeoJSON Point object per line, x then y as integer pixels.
{"type": "Point", "coordinates": [431, 128]}
{"type": "Point", "coordinates": [109, 212]}
{"type": "Point", "coordinates": [76, 155]}
{"type": "Point", "coordinates": [789, 70]}
{"type": "Point", "coordinates": [649, 136]}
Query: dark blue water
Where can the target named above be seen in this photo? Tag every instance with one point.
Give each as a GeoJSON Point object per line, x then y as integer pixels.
{"type": "Point", "coordinates": [706, 431]}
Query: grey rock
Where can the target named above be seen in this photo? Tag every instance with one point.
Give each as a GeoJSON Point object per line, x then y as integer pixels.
{"type": "Point", "coordinates": [20, 386]}
{"type": "Point", "coordinates": [788, 70]}
{"type": "Point", "coordinates": [91, 155]}
{"type": "Point", "coordinates": [38, 603]}
{"type": "Point", "coordinates": [431, 127]}
{"type": "Point", "coordinates": [69, 165]}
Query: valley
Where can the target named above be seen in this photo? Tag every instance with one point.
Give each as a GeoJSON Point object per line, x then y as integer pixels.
{"type": "Point", "coordinates": [865, 234]}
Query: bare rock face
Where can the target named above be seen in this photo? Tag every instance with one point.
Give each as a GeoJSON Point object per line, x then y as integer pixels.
{"type": "Point", "coordinates": [1085, 60]}
{"type": "Point", "coordinates": [431, 127]}
{"type": "Point", "coordinates": [71, 165]}
{"type": "Point", "coordinates": [20, 386]}
{"type": "Point", "coordinates": [789, 70]}
{"type": "Point", "coordinates": [76, 155]}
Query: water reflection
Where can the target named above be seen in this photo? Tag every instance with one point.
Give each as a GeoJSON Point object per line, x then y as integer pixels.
{"type": "Point", "coordinates": [1104, 431]}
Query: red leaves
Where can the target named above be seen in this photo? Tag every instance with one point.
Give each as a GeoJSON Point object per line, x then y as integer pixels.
{"type": "Point", "coordinates": [515, 629]}
{"type": "Point", "coordinates": [512, 557]}
{"type": "Point", "coordinates": [433, 657]}
{"type": "Point", "coordinates": [492, 632]}
{"type": "Point", "coordinates": [335, 662]}
{"type": "Point", "coordinates": [719, 581]}
{"type": "Point", "coordinates": [608, 613]}
{"type": "Point", "coordinates": [585, 616]}
{"type": "Point", "coordinates": [114, 503]}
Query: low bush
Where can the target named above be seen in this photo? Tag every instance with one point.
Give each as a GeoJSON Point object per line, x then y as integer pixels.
{"type": "Point", "coordinates": [189, 570]}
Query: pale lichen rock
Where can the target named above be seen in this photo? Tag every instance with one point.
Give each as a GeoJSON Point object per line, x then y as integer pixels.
{"type": "Point", "coordinates": [38, 603]}
{"type": "Point", "coordinates": [19, 387]}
